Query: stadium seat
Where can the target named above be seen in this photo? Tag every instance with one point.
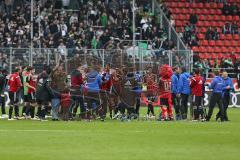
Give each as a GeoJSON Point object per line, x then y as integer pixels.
{"type": "Point", "coordinates": [212, 43]}
{"type": "Point", "coordinates": [204, 43]}
{"type": "Point", "coordinates": [201, 17]}
{"type": "Point", "coordinates": [202, 49]}
{"type": "Point", "coordinates": [209, 17]}
{"type": "Point", "coordinates": [227, 43]}
{"type": "Point", "coordinates": [200, 36]}
{"type": "Point", "coordinates": [222, 18]}
{"type": "Point", "coordinates": [229, 18]}
{"type": "Point", "coordinates": [217, 50]}
{"type": "Point", "coordinates": [200, 5]}
{"type": "Point", "coordinates": [215, 17]}
{"type": "Point", "coordinates": [214, 55]}
{"type": "Point", "coordinates": [224, 49]}
{"type": "Point", "coordinates": [207, 5]}
{"type": "Point", "coordinates": [231, 49]}
{"type": "Point", "coordinates": [212, 11]}
{"type": "Point", "coordinates": [228, 37]}
{"type": "Point", "coordinates": [214, 5]}
{"type": "Point", "coordinates": [220, 5]}
{"type": "Point", "coordinates": [236, 37]}
{"type": "Point", "coordinates": [234, 43]}
{"type": "Point", "coordinates": [210, 49]}
{"type": "Point", "coordinates": [184, 11]}
{"type": "Point", "coordinates": [218, 12]}
{"type": "Point", "coordinates": [203, 30]}
{"type": "Point", "coordinates": [205, 11]}
{"type": "Point", "coordinates": [193, 5]}
{"type": "Point", "coordinates": [213, 24]}
{"type": "Point", "coordinates": [195, 49]}
{"type": "Point", "coordinates": [235, 18]}
{"type": "Point", "coordinates": [221, 36]}
{"type": "Point", "coordinates": [180, 5]}
{"type": "Point", "coordinates": [219, 43]}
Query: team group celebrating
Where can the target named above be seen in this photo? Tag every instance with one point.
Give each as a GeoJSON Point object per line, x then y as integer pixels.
{"type": "Point", "coordinates": [93, 91]}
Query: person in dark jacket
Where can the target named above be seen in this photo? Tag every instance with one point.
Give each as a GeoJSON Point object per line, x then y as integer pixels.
{"type": "Point", "coordinates": [217, 86]}
{"type": "Point", "coordinates": [196, 84]}
{"type": "Point", "coordinates": [193, 19]}
{"type": "Point", "coordinates": [76, 92]}
{"type": "Point", "coordinates": [2, 89]}
{"type": "Point", "coordinates": [227, 88]}
{"type": "Point", "coordinates": [58, 84]}
{"type": "Point", "coordinates": [183, 91]}
{"type": "Point", "coordinates": [43, 92]}
{"type": "Point", "coordinates": [175, 99]}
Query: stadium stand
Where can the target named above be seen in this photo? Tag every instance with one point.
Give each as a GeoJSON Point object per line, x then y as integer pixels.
{"type": "Point", "coordinates": [69, 27]}
{"type": "Point", "coordinates": [216, 30]}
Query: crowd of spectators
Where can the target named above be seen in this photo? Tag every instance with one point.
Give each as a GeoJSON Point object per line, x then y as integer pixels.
{"type": "Point", "coordinates": [231, 9]}
{"type": "Point", "coordinates": [231, 64]}
{"type": "Point", "coordinates": [71, 26]}
{"type": "Point", "coordinates": [85, 24]}
{"type": "Point", "coordinates": [230, 28]}
{"type": "Point", "coordinates": [212, 34]}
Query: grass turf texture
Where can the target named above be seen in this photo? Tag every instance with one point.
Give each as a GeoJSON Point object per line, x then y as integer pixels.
{"type": "Point", "coordinates": [114, 140]}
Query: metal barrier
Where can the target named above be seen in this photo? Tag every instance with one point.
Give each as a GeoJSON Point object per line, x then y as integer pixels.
{"type": "Point", "coordinates": [71, 58]}
{"type": "Point", "coordinates": [172, 34]}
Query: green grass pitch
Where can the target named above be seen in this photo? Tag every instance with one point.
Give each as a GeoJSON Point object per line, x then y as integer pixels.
{"type": "Point", "coordinates": [115, 140]}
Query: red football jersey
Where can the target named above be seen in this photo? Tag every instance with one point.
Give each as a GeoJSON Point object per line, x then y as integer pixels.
{"type": "Point", "coordinates": [150, 80]}
{"type": "Point", "coordinates": [196, 85]}
{"type": "Point", "coordinates": [165, 87]}
{"type": "Point", "coordinates": [107, 84]}
{"type": "Point", "coordinates": [31, 83]}
{"type": "Point", "coordinates": [65, 100]}
{"type": "Point", "coordinates": [14, 82]}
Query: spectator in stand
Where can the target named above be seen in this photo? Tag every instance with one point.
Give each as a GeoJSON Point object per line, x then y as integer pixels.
{"type": "Point", "coordinates": [234, 28]}
{"type": "Point", "coordinates": [194, 40]}
{"type": "Point", "coordinates": [212, 34]}
{"type": "Point", "coordinates": [206, 67]}
{"type": "Point", "coordinates": [208, 35]}
{"type": "Point", "coordinates": [233, 57]}
{"type": "Point", "coordinates": [215, 34]}
{"type": "Point", "coordinates": [193, 19]}
{"type": "Point", "coordinates": [226, 9]}
{"type": "Point", "coordinates": [230, 9]}
{"type": "Point", "coordinates": [227, 28]}
{"type": "Point", "coordinates": [234, 8]}
{"type": "Point", "coordinates": [237, 71]}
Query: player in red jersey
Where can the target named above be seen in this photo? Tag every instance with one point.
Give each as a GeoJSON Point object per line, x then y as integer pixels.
{"type": "Point", "coordinates": [31, 88]}
{"type": "Point", "coordinates": [150, 80]}
{"type": "Point", "coordinates": [196, 84]}
{"type": "Point", "coordinates": [105, 90]}
{"type": "Point", "coordinates": [165, 93]}
{"type": "Point", "coordinates": [15, 84]}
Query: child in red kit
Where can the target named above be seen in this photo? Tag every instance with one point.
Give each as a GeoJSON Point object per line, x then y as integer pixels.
{"type": "Point", "coordinates": [65, 104]}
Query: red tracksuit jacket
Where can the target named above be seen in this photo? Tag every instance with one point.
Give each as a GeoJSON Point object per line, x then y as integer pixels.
{"type": "Point", "coordinates": [14, 82]}
{"type": "Point", "coordinates": [196, 85]}
{"type": "Point", "coordinates": [165, 88]}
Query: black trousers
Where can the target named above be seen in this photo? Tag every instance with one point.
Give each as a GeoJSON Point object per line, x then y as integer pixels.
{"type": "Point", "coordinates": [3, 102]}
{"type": "Point", "coordinates": [176, 104]}
{"type": "Point", "coordinates": [225, 102]}
{"type": "Point", "coordinates": [197, 107]}
{"type": "Point", "coordinates": [104, 104]}
{"type": "Point", "coordinates": [138, 102]}
{"type": "Point", "coordinates": [77, 100]}
{"type": "Point", "coordinates": [216, 98]}
{"type": "Point", "coordinates": [184, 106]}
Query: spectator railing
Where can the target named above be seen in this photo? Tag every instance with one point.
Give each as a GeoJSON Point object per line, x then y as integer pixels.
{"type": "Point", "coordinates": [72, 58]}
{"type": "Point", "coordinates": [172, 34]}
